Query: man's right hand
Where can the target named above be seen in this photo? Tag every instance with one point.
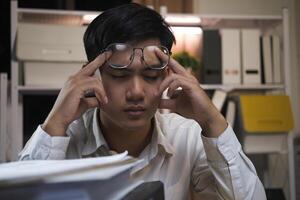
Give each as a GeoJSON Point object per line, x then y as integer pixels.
{"type": "Point", "coordinates": [71, 102]}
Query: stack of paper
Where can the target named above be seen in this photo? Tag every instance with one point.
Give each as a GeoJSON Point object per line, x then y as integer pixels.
{"type": "Point", "coordinates": [106, 176]}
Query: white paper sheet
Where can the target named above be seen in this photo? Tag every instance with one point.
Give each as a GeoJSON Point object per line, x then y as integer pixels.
{"type": "Point", "coordinates": [64, 170]}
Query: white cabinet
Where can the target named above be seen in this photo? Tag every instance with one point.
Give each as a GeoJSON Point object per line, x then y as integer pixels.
{"type": "Point", "coordinates": [51, 40]}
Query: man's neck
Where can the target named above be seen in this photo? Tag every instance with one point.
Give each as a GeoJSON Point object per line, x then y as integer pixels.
{"type": "Point", "coordinates": [120, 140]}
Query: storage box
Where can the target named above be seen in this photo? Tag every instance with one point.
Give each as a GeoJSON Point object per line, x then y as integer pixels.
{"type": "Point", "coordinates": [49, 53]}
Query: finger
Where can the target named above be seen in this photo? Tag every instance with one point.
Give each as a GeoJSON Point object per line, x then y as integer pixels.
{"type": "Point", "coordinates": [100, 93]}
{"type": "Point", "coordinates": [174, 65]}
{"type": "Point", "coordinates": [93, 87]}
{"type": "Point", "coordinates": [100, 102]}
{"type": "Point", "coordinates": [167, 104]}
{"type": "Point", "coordinates": [179, 84]}
{"type": "Point", "coordinates": [159, 53]}
{"type": "Point", "coordinates": [167, 81]}
{"type": "Point", "coordinates": [174, 86]}
{"type": "Point", "coordinates": [90, 68]}
{"type": "Point", "coordinates": [91, 102]}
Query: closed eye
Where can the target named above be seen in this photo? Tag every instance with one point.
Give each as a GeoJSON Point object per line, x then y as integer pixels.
{"type": "Point", "coordinates": [118, 74]}
{"type": "Point", "coordinates": [151, 78]}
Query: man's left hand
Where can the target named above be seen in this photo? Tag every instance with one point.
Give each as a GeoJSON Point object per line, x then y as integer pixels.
{"type": "Point", "coordinates": [190, 100]}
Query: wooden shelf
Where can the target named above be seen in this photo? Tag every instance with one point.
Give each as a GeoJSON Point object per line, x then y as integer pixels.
{"type": "Point", "coordinates": [38, 90]}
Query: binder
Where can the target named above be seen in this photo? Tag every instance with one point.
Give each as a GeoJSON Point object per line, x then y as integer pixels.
{"type": "Point", "coordinates": [211, 70]}
{"type": "Point", "coordinates": [262, 122]}
{"type": "Point", "coordinates": [219, 98]}
{"type": "Point", "coordinates": [231, 56]}
{"type": "Point", "coordinates": [267, 59]}
{"type": "Point", "coordinates": [230, 113]}
{"type": "Point", "coordinates": [266, 113]}
{"type": "Point", "coordinates": [251, 56]}
{"type": "Point", "coordinates": [277, 72]}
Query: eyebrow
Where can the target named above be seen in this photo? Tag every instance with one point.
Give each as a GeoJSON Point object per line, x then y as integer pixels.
{"type": "Point", "coordinates": [131, 70]}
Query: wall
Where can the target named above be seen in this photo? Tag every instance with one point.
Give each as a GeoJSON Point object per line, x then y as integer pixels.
{"type": "Point", "coordinates": [238, 7]}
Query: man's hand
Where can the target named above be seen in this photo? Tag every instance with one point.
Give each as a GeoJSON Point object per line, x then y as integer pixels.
{"type": "Point", "coordinates": [191, 100]}
{"type": "Point", "coordinates": [71, 102]}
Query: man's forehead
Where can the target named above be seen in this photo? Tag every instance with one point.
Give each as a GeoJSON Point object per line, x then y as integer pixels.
{"type": "Point", "coordinates": [145, 42]}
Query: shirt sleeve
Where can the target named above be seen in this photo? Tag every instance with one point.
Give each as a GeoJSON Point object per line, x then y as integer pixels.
{"type": "Point", "coordinates": [233, 174]}
{"type": "Point", "coordinates": [42, 146]}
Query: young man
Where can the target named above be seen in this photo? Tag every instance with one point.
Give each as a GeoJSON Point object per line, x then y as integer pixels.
{"type": "Point", "coordinates": [130, 46]}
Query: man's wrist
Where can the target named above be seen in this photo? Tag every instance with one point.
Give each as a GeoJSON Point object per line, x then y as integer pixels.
{"type": "Point", "coordinates": [214, 126]}
{"type": "Point", "coordinates": [54, 128]}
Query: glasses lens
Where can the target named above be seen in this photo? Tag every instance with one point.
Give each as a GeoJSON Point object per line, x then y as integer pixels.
{"type": "Point", "coordinates": [121, 55]}
{"type": "Point", "coordinates": [156, 57]}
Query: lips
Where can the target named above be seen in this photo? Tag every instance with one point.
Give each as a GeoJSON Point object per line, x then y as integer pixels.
{"type": "Point", "coordinates": [135, 111]}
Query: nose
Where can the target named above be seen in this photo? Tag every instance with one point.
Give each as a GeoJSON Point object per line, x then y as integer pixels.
{"type": "Point", "coordinates": [137, 55]}
{"type": "Point", "coordinates": [135, 90]}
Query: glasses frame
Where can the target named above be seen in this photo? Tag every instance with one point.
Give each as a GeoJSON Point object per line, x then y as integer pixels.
{"type": "Point", "coordinates": [133, 54]}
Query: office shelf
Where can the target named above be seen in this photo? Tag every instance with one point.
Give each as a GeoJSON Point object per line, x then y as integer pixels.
{"type": "Point", "coordinates": [38, 90]}
{"type": "Point", "coordinates": [55, 90]}
{"type": "Point", "coordinates": [229, 88]}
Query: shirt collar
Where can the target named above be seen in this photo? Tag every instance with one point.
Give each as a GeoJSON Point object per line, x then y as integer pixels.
{"type": "Point", "coordinates": [95, 138]}
{"type": "Point", "coordinates": [158, 144]}
{"type": "Point", "coordinates": [161, 139]}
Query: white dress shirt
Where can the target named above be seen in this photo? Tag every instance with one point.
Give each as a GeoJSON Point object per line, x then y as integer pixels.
{"type": "Point", "coordinates": [178, 155]}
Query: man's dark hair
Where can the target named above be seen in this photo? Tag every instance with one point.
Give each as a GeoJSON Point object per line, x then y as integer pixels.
{"type": "Point", "coordinates": [127, 23]}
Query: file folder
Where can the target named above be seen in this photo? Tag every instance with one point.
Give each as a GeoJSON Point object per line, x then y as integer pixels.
{"type": "Point", "coordinates": [211, 70]}
{"type": "Point", "coordinates": [251, 56]}
{"type": "Point", "coordinates": [277, 65]}
{"type": "Point", "coordinates": [267, 59]}
{"type": "Point", "coordinates": [266, 113]}
{"type": "Point", "coordinates": [231, 56]}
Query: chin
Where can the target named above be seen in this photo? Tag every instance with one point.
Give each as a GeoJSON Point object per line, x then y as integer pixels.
{"type": "Point", "coordinates": [135, 124]}
{"type": "Point", "coordinates": [129, 122]}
